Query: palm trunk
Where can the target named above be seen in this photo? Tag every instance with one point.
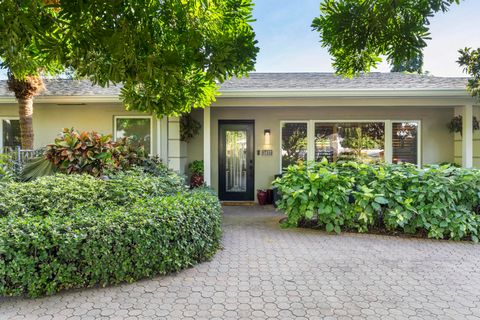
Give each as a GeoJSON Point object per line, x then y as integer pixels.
{"type": "Point", "coordinates": [25, 110]}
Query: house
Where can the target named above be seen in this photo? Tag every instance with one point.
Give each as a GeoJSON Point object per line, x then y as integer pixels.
{"type": "Point", "coordinates": [264, 122]}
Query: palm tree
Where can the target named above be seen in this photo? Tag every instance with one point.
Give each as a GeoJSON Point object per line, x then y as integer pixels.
{"type": "Point", "coordinates": [24, 90]}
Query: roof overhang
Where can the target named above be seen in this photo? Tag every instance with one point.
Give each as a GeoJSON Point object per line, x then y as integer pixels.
{"type": "Point", "coordinates": [451, 94]}
{"type": "Point", "coordinates": [339, 93]}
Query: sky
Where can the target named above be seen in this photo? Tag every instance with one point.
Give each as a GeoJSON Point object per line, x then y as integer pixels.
{"type": "Point", "coordinates": [287, 43]}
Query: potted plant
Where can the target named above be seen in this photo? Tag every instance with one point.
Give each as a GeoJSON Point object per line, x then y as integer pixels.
{"type": "Point", "coordinates": [196, 173]}
{"type": "Point", "coordinates": [456, 124]}
{"type": "Point", "coordinates": [262, 197]}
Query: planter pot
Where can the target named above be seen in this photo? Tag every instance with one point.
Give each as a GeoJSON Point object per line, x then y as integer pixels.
{"type": "Point", "coordinates": [262, 197]}
{"type": "Point", "coordinates": [196, 181]}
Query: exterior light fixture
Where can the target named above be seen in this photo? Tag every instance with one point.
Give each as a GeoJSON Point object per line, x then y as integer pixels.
{"type": "Point", "coordinates": [266, 135]}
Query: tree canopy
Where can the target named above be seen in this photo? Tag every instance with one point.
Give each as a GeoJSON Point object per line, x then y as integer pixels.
{"type": "Point", "coordinates": [169, 55]}
{"type": "Point", "coordinates": [358, 33]}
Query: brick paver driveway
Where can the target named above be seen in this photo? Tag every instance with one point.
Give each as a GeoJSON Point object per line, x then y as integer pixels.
{"type": "Point", "coordinates": [266, 272]}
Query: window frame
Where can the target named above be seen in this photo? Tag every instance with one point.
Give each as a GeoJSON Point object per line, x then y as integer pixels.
{"type": "Point", "coordinates": [282, 122]}
{"type": "Point", "coordinates": [2, 118]}
{"type": "Point", "coordinates": [419, 139]}
{"type": "Point", "coordinates": [388, 143]}
{"type": "Point", "coordinates": [134, 117]}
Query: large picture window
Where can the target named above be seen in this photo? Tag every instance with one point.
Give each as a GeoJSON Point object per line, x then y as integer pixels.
{"type": "Point", "coordinates": [350, 141]}
{"type": "Point", "coordinates": [392, 141]}
{"type": "Point", "coordinates": [138, 129]}
{"type": "Point", "coordinates": [9, 134]}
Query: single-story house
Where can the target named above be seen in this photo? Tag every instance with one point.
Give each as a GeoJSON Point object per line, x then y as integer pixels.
{"type": "Point", "coordinates": [262, 123]}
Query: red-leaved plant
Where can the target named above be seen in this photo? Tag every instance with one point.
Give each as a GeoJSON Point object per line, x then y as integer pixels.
{"type": "Point", "coordinates": [92, 153]}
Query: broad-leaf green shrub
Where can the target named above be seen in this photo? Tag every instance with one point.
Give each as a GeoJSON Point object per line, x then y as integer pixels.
{"type": "Point", "coordinates": [64, 193]}
{"type": "Point", "coordinates": [94, 246]}
{"type": "Point", "coordinates": [441, 201]}
{"type": "Point", "coordinates": [58, 193]}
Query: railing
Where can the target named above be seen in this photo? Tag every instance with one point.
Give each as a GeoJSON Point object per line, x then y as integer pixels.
{"type": "Point", "coordinates": [21, 156]}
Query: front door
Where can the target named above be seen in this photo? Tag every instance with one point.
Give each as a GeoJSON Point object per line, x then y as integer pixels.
{"type": "Point", "coordinates": [235, 159]}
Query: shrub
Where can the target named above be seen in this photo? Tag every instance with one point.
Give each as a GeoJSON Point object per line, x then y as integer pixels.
{"type": "Point", "coordinates": [93, 246]}
{"type": "Point", "coordinates": [442, 201]}
{"type": "Point", "coordinates": [125, 187]}
{"type": "Point", "coordinates": [64, 194]}
{"type": "Point", "coordinates": [92, 153]}
{"type": "Point", "coordinates": [51, 194]}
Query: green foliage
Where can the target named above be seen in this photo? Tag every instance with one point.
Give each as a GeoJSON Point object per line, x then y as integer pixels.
{"type": "Point", "coordinates": [196, 167]}
{"type": "Point", "coordinates": [37, 167]}
{"type": "Point", "coordinates": [74, 231]}
{"type": "Point", "coordinates": [168, 55]}
{"type": "Point", "coordinates": [358, 33]}
{"type": "Point", "coordinates": [441, 201]}
{"type": "Point", "coordinates": [92, 153]}
{"type": "Point", "coordinates": [456, 124]}
{"type": "Point", "coordinates": [189, 128]}
{"type": "Point", "coordinates": [470, 61]}
{"type": "Point", "coordinates": [6, 168]}
{"type": "Point", "coordinates": [61, 193]}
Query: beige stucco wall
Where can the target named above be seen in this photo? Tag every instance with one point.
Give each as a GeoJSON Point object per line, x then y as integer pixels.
{"type": "Point", "coordinates": [50, 119]}
{"type": "Point", "coordinates": [437, 143]}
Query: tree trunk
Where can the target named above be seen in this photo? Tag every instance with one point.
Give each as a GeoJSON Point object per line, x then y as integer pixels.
{"type": "Point", "coordinates": [25, 110]}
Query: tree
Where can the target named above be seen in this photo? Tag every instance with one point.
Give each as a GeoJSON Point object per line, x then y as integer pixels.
{"type": "Point", "coordinates": [20, 53]}
{"type": "Point", "coordinates": [24, 90]}
{"type": "Point", "coordinates": [170, 56]}
{"type": "Point", "coordinates": [358, 33]}
{"type": "Point", "coordinates": [414, 65]}
{"type": "Point", "coordinates": [470, 60]}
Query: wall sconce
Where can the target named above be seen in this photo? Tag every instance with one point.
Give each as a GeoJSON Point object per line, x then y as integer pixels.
{"type": "Point", "coordinates": [266, 135]}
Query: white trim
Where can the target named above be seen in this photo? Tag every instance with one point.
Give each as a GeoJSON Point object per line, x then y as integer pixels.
{"type": "Point", "coordinates": [159, 141]}
{"type": "Point", "coordinates": [207, 146]}
{"type": "Point", "coordinates": [388, 142]}
{"type": "Point", "coordinates": [381, 93]}
{"type": "Point", "coordinates": [134, 117]}
{"type": "Point", "coordinates": [467, 136]}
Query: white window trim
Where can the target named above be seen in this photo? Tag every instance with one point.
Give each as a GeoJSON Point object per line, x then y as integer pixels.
{"type": "Point", "coordinates": [388, 149]}
{"type": "Point", "coordinates": [1, 129]}
{"type": "Point", "coordinates": [419, 139]}
{"type": "Point", "coordinates": [134, 117]}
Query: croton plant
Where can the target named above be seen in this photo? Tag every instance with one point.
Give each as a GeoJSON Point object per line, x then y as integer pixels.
{"type": "Point", "coordinates": [92, 152]}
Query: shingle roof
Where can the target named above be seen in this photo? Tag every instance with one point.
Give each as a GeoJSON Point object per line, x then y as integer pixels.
{"type": "Point", "coordinates": [275, 81]}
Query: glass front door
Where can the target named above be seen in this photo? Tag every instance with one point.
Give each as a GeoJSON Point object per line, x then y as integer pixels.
{"type": "Point", "coordinates": [236, 160]}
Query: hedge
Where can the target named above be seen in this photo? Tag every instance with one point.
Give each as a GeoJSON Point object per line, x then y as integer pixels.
{"type": "Point", "coordinates": [99, 242]}
{"type": "Point", "coordinates": [441, 202]}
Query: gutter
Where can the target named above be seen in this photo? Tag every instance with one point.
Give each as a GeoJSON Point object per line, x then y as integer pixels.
{"type": "Point", "coordinates": [346, 93]}
{"type": "Point", "coordinates": [273, 93]}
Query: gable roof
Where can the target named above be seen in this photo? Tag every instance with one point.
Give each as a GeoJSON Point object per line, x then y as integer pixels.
{"type": "Point", "coordinates": [273, 82]}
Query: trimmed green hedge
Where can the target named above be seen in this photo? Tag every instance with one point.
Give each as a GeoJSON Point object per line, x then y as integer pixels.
{"type": "Point", "coordinates": [69, 232]}
{"type": "Point", "coordinates": [440, 201]}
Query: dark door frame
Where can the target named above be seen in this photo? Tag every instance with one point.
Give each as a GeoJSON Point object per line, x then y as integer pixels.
{"type": "Point", "coordinates": [249, 195]}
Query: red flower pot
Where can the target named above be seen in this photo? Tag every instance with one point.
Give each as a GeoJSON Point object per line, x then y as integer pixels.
{"type": "Point", "coordinates": [262, 197]}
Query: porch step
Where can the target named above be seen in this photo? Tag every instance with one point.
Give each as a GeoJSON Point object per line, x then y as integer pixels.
{"type": "Point", "coordinates": [238, 203]}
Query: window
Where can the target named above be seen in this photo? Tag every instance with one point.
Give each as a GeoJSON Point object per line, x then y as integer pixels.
{"type": "Point", "coordinates": [392, 141]}
{"type": "Point", "coordinates": [10, 134]}
{"type": "Point", "coordinates": [350, 141]}
{"type": "Point", "coordinates": [405, 142]}
{"type": "Point", "coordinates": [294, 142]}
{"type": "Point", "coordinates": [138, 129]}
